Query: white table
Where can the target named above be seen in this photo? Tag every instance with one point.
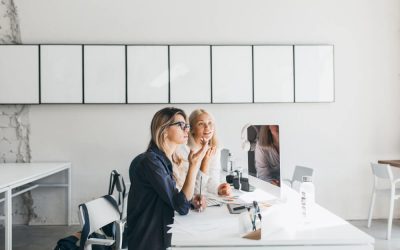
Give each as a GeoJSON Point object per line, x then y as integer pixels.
{"type": "Point", "coordinates": [13, 175]}
{"type": "Point", "coordinates": [325, 231]}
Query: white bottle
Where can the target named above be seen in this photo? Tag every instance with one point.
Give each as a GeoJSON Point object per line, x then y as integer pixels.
{"type": "Point", "coordinates": [307, 195]}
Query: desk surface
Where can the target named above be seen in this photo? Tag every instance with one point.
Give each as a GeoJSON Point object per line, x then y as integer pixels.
{"type": "Point", "coordinates": [17, 174]}
{"type": "Point", "coordinates": [326, 229]}
{"type": "Point", "coordinates": [394, 163]}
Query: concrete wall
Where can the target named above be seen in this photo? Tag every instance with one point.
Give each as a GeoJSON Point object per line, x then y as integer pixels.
{"type": "Point", "coordinates": [14, 119]}
{"type": "Point", "coordinates": [337, 139]}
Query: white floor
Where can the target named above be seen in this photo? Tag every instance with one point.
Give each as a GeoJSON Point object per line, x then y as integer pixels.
{"type": "Point", "coordinates": [378, 231]}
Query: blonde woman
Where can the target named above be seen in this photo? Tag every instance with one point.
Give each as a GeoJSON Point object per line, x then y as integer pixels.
{"type": "Point", "coordinates": [153, 196]}
{"type": "Point", "coordinates": [202, 130]}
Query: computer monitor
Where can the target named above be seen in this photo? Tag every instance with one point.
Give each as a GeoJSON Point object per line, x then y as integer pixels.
{"type": "Point", "coordinates": [264, 153]}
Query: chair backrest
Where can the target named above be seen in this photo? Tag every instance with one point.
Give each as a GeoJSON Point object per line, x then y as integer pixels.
{"type": "Point", "coordinates": [98, 213]}
{"type": "Point", "coordinates": [382, 171]}
{"type": "Point", "coordinates": [224, 159]}
{"type": "Point", "coordinates": [301, 171]}
{"type": "Point", "coordinates": [117, 184]}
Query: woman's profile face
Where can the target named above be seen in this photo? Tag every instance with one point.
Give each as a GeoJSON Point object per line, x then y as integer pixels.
{"type": "Point", "coordinates": [203, 127]}
{"type": "Point", "coordinates": [177, 132]}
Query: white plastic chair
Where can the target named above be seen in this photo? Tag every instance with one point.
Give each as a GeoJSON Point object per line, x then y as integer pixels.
{"type": "Point", "coordinates": [298, 174]}
{"type": "Point", "coordinates": [101, 212]}
{"type": "Point", "coordinates": [383, 171]}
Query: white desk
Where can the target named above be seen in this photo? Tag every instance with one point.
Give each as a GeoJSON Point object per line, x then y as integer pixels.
{"type": "Point", "coordinates": [13, 175]}
{"type": "Point", "coordinates": [326, 231]}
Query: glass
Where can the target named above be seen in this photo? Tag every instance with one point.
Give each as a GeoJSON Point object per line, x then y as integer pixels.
{"type": "Point", "coordinates": [182, 125]}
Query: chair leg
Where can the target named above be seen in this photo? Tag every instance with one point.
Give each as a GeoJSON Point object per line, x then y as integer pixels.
{"type": "Point", "coordinates": [371, 208]}
{"type": "Point", "coordinates": [390, 219]}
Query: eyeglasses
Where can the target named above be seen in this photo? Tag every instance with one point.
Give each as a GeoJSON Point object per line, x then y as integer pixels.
{"type": "Point", "coordinates": [182, 125]}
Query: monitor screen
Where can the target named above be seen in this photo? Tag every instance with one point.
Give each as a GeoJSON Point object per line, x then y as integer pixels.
{"type": "Point", "coordinates": [263, 155]}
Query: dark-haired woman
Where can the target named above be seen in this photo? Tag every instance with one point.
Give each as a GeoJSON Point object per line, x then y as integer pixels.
{"type": "Point", "coordinates": [266, 153]}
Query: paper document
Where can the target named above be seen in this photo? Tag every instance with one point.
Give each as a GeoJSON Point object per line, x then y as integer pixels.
{"type": "Point", "coordinates": [198, 223]}
{"type": "Point", "coordinates": [258, 195]}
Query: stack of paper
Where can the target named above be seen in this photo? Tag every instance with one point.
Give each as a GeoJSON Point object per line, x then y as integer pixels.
{"type": "Point", "coordinates": [211, 220]}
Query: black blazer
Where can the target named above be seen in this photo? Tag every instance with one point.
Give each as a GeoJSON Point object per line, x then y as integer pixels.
{"type": "Point", "coordinates": [153, 198]}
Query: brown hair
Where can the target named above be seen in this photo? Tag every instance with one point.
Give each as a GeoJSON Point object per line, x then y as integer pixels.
{"type": "Point", "coordinates": [193, 119]}
{"type": "Point", "coordinates": [265, 138]}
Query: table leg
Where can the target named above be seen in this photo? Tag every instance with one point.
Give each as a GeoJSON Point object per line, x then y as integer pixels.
{"type": "Point", "coordinates": [8, 219]}
{"type": "Point", "coordinates": [69, 205]}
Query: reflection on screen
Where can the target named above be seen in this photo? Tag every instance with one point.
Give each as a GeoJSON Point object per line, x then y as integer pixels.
{"type": "Point", "coordinates": [263, 156]}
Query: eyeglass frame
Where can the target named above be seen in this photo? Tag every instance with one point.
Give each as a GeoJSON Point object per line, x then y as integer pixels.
{"type": "Point", "coordinates": [182, 125]}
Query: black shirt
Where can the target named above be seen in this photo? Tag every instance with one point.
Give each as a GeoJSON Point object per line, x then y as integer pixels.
{"type": "Point", "coordinates": [152, 200]}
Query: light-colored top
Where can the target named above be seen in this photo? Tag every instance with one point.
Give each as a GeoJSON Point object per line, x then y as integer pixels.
{"type": "Point", "coordinates": [267, 163]}
{"type": "Point", "coordinates": [210, 180]}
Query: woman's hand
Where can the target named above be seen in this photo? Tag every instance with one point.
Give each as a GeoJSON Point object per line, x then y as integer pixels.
{"type": "Point", "coordinates": [207, 157]}
{"type": "Point", "coordinates": [224, 189]}
{"type": "Point", "coordinates": [199, 202]}
{"type": "Point", "coordinates": [194, 157]}
{"type": "Point", "coordinates": [276, 182]}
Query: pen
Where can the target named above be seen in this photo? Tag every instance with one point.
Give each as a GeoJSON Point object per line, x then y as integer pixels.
{"type": "Point", "coordinates": [201, 181]}
{"type": "Point", "coordinates": [257, 209]}
{"type": "Point", "coordinates": [253, 221]}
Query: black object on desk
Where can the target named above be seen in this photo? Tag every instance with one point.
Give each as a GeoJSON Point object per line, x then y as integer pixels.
{"type": "Point", "coordinates": [237, 208]}
{"type": "Point", "coordinates": [229, 178]}
{"type": "Point", "coordinates": [246, 185]}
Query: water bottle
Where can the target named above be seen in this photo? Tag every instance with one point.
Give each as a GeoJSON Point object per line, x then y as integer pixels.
{"type": "Point", "coordinates": [229, 168]}
{"type": "Point", "coordinates": [307, 195]}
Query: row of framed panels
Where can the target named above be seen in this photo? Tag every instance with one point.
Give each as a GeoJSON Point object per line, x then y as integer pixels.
{"type": "Point", "coordinates": [37, 74]}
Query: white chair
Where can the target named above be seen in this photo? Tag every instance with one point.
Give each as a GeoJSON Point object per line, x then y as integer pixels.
{"type": "Point", "coordinates": [98, 213]}
{"type": "Point", "coordinates": [298, 174]}
{"type": "Point", "coordinates": [383, 171]}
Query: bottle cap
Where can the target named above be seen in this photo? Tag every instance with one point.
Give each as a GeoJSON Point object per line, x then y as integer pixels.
{"type": "Point", "coordinates": [307, 179]}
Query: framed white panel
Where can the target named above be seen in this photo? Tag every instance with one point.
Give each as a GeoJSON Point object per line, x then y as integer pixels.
{"type": "Point", "coordinates": [232, 74]}
{"type": "Point", "coordinates": [190, 74]}
{"type": "Point", "coordinates": [19, 74]}
{"type": "Point", "coordinates": [314, 74]}
{"type": "Point", "coordinates": [61, 73]}
{"type": "Point", "coordinates": [147, 74]}
{"type": "Point", "coordinates": [104, 73]}
{"type": "Point", "coordinates": [273, 74]}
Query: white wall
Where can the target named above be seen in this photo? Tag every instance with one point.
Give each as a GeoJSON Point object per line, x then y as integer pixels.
{"type": "Point", "coordinates": [337, 139]}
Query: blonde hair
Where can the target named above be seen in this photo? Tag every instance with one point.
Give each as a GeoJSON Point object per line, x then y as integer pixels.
{"type": "Point", "coordinates": [161, 120]}
{"type": "Point", "coordinates": [192, 121]}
